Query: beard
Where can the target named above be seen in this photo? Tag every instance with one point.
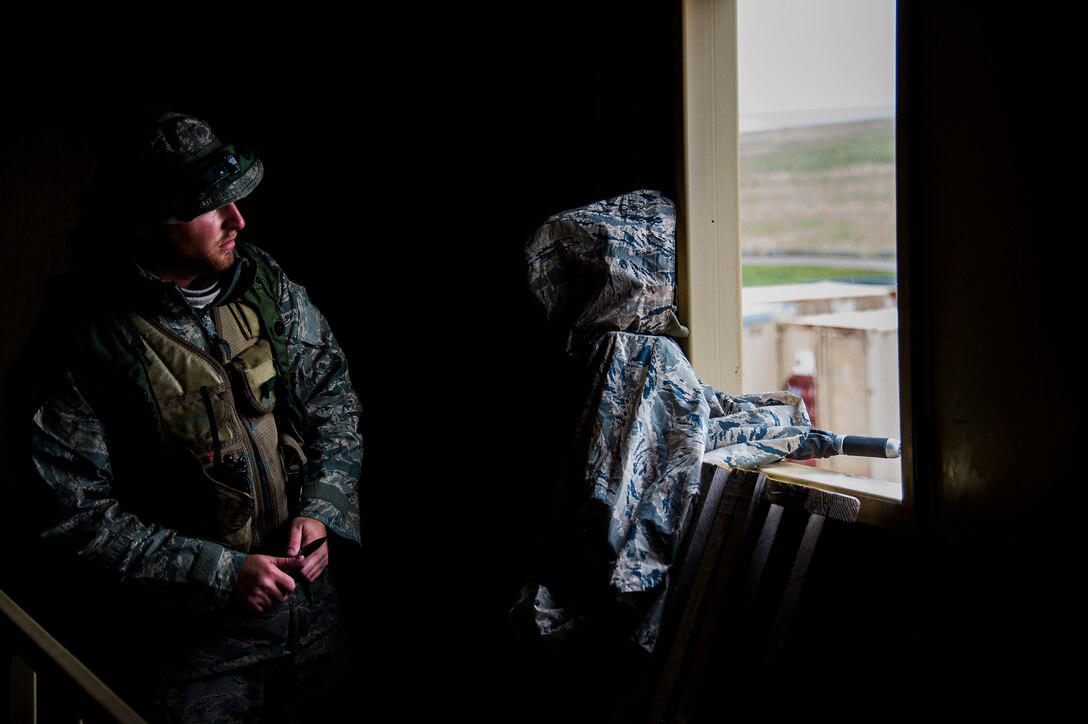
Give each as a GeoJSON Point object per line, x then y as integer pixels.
{"type": "Point", "coordinates": [211, 265]}
{"type": "Point", "coordinates": [183, 261]}
{"type": "Point", "coordinates": [215, 262]}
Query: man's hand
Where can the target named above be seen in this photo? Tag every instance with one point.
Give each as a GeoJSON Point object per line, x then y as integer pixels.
{"type": "Point", "coordinates": [304, 530]}
{"type": "Point", "coordinates": [265, 581]}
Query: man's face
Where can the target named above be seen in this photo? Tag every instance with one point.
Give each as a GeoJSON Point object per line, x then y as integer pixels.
{"type": "Point", "coordinates": [197, 248]}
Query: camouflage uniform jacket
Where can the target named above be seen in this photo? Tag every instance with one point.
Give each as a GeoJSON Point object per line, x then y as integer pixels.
{"type": "Point", "coordinates": [606, 272]}
{"type": "Point", "coordinates": [91, 451]}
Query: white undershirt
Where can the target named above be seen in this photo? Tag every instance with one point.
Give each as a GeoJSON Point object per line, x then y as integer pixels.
{"type": "Point", "coordinates": [200, 298]}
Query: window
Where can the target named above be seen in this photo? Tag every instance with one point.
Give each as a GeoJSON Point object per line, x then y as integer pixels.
{"type": "Point", "coordinates": [789, 178]}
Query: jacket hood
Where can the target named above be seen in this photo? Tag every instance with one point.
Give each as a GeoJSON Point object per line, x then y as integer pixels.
{"type": "Point", "coordinates": [608, 266]}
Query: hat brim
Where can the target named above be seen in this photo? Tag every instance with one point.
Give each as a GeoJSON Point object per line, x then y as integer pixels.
{"type": "Point", "coordinates": [227, 191]}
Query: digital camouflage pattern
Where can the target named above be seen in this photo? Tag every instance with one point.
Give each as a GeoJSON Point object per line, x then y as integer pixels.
{"type": "Point", "coordinates": [608, 266]}
{"type": "Point", "coordinates": [168, 167]}
{"type": "Point", "coordinates": [171, 590]}
{"type": "Point", "coordinates": [607, 270]}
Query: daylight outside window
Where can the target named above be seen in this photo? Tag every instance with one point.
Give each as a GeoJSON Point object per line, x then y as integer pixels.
{"type": "Point", "coordinates": [816, 86]}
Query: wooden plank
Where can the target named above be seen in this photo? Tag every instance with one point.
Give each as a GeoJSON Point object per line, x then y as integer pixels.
{"type": "Point", "coordinates": [738, 520]}
{"type": "Point", "coordinates": [790, 594]}
{"type": "Point", "coordinates": [683, 610]}
{"type": "Point", "coordinates": [739, 581]}
{"type": "Point", "coordinates": [54, 663]}
{"type": "Point", "coordinates": [779, 591]}
{"type": "Point", "coordinates": [883, 490]}
{"type": "Point", "coordinates": [814, 501]}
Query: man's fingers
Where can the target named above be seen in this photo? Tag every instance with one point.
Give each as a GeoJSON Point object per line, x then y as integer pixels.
{"type": "Point", "coordinates": [288, 563]}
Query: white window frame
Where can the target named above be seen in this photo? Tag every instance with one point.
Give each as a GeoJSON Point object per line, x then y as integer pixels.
{"type": "Point", "coordinates": [708, 239]}
{"type": "Point", "coordinates": [708, 232]}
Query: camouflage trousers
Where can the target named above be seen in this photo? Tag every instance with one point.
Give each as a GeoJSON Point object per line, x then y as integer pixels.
{"type": "Point", "coordinates": [303, 682]}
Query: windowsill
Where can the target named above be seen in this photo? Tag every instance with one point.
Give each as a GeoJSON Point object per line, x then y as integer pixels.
{"type": "Point", "coordinates": [881, 500]}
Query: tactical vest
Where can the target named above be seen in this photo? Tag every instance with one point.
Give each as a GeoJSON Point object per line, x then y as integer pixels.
{"type": "Point", "coordinates": [220, 413]}
{"type": "Point", "coordinates": [207, 446]}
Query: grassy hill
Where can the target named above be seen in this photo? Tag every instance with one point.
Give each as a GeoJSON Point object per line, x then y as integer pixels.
{"type": "Point", "coordinates": [826, 190]}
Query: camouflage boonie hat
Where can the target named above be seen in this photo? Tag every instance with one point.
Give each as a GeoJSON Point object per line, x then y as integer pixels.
{"type": "Point", "coordinates": [174, 166]}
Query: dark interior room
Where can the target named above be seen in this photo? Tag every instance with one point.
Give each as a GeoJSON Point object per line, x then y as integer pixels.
{"type": "Point", "coordinates": [403, 177]}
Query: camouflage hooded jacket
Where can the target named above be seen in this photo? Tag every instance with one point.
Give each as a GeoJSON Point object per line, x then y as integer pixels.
{"type": "Point", "coordinates": [90, 448]}
{"type": "Point", "coordinates": [607, 273]}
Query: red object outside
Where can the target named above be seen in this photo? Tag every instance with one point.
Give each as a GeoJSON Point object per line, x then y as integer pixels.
{"type": "Point", "coordinates": [805, 386]}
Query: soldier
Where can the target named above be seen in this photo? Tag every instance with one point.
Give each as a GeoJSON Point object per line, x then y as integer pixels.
{"type": "Point", "coordinates": [191, 444]}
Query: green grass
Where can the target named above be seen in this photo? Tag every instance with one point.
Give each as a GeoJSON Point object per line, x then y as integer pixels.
{"type": "Point", "coordinates": [867, 147]}
{"type": "Point", "coordinates": [760, 275]}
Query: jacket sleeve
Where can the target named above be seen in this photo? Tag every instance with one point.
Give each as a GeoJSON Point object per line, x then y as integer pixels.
{"type": "Point", "coordinates": [71, 469]}
{"type": "Point", "coordinates": [333, 443]}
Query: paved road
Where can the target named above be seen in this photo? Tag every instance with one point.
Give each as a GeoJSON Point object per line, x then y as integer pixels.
{"type": "Point", "coordinates": [853, 262]}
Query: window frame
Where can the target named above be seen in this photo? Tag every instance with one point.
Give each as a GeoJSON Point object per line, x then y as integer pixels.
{"type": "Point", "coordinates": [708, 233]}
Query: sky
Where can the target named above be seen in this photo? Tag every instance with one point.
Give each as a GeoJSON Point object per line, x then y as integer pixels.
{"type": "Point", "coordinates": [812, 61]}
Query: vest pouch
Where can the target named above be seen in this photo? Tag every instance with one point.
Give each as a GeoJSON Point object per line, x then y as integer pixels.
{"type": "Point", "coordinates": [190, 417]}
{"type": "Point", "coordinates": [191, 389]}
{"type": "Point", "coordinates": [225, 514]}
{"type": "Point", "coordinates": [253, 373]}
